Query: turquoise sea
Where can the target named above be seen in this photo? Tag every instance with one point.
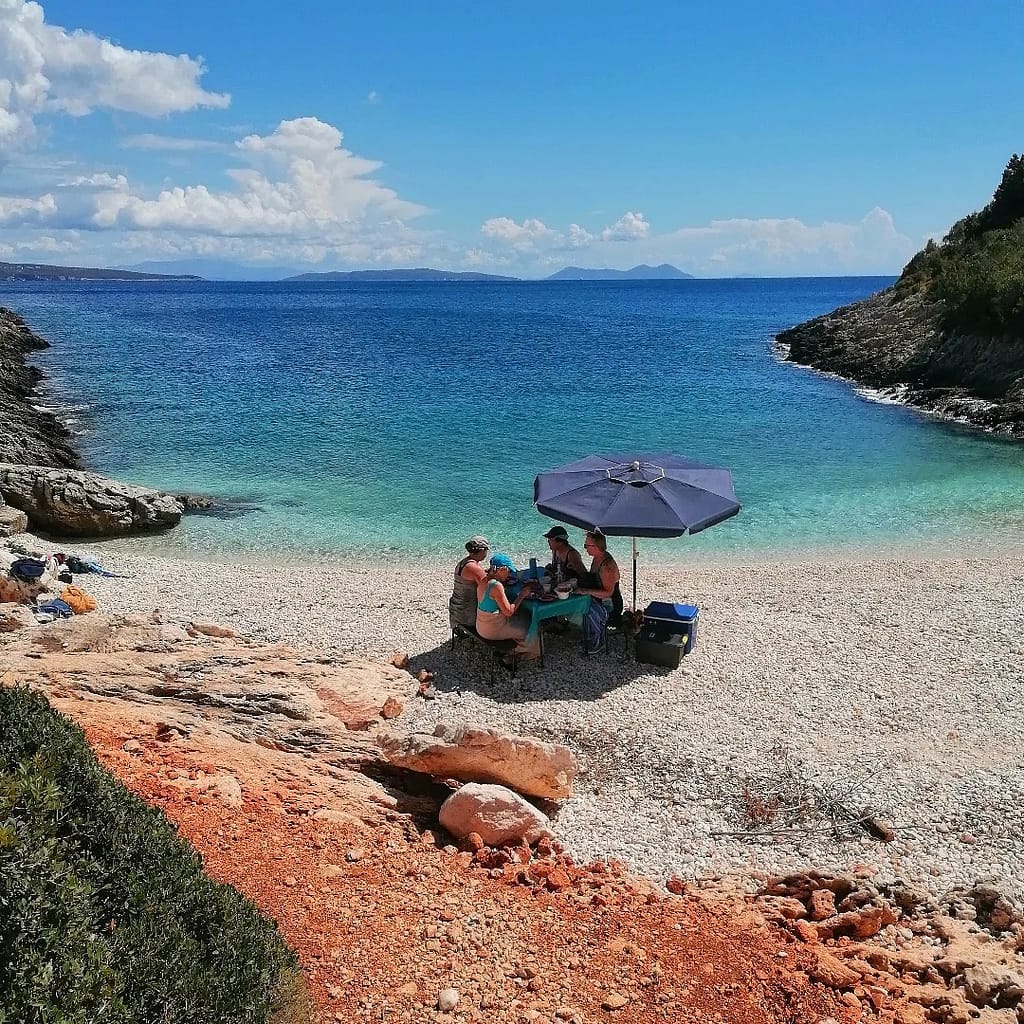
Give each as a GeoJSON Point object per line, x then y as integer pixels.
{"type": "Point", "coordinates": [403, 416]}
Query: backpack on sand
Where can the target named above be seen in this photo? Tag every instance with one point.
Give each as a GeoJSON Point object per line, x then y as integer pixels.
{"type": "Point", "coordinates": [27, 570]}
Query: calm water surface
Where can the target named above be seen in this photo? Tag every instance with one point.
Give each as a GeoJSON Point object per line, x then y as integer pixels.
{"type": "Point", "coordinates": [408, 416]}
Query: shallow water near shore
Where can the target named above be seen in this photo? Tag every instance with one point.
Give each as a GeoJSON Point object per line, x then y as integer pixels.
{"type": "Point", "coordinates": [404, 417]}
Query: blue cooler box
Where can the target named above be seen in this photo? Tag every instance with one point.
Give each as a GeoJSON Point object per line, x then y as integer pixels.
{"type": "Point", "coordinates": [668, 632]}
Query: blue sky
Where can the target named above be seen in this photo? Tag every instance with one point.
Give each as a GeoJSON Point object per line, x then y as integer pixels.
{"type": "Point", "coordinates": [751, 138]}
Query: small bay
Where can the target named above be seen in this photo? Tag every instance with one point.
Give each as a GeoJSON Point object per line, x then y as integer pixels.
{"type": "Point", "coordinates": [403, 417]}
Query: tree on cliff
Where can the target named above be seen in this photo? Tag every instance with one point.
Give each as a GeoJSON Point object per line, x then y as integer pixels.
{"type": "Point", "coordinates": [977, 273]}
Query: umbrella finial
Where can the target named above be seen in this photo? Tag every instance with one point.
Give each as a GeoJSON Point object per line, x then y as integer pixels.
{"type": "Point", "coordinates": [635, 466]}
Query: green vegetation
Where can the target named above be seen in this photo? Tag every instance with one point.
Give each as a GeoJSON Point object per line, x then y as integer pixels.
{"type": "Point", "coordinates": [105, 914]}
{"type": "Point", "coordinates": [978, 270]}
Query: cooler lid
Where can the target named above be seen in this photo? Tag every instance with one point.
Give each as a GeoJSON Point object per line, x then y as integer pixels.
{"type": "Point", "coordinates": [671, 611]}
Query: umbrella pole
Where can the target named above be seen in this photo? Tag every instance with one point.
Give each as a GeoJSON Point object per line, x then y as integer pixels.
{"type": "Point", "coordinates": [634, 574]}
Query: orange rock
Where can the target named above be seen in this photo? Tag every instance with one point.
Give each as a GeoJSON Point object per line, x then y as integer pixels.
{"type": "Point", "coordinates": [558, 880]}
{"type": "Point", "coordinates": [831, 971]}
{"type": "Point", "coordinates": [822, 905]}
{"type": "Point", "coordinates": [393, 707]}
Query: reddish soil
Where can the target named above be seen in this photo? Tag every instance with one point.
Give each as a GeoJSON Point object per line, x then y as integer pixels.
{"type": "Point", "coordinates": [383, 919]}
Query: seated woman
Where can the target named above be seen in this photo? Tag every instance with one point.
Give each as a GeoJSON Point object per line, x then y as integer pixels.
{"type": "Point", "coordinates": [468, 573]}
{"type": "Point", "coordinates": [494, 611]}
{"type": "Point", "coordinates": [602, 584]}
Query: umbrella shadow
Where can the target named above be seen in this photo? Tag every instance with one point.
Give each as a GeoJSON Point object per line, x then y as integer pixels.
{"type": "Point", "coordinates": [566, 674]}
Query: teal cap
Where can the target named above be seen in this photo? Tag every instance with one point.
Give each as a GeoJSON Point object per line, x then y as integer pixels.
{"type": "Point", "coordinates": [500, 561]}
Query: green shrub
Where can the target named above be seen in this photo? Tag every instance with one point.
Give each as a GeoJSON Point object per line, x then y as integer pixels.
{"type": "Point", "coordinates": [105, 914]}
{"type": "Point", "coordinates": [977, 273]}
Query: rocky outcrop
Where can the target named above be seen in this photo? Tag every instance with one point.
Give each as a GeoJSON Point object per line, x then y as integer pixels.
{"type": "Point", "coordinates": [12, 520]}
{"type": "Point", "coordinates": [28, 435]}
{"type": "Point", "coordinates": [469, 754]}
{"type": "Point", "coordinates": [75, 503]}
{"type": "Point", "coordinates": [156, 682]}
{"type": "Point", "coordinates": [899, 345]}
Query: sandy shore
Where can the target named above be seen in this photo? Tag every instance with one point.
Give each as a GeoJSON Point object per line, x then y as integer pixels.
{"type": "Point", "coordinates": [889, 683]}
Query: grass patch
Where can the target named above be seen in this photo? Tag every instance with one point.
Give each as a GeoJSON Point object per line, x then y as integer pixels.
{"type": "Point", "coordinates": [105, 913]}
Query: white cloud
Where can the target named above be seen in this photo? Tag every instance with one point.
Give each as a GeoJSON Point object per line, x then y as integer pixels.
{"type": "Point", "coordinates": [723, 247]}
{"type": "Point", "coordinates": [24, 211]}
{"type": "Point", "coordinates": [628, 228]}
{"type": "Point", "coordinates": [301, 182]}
{"type": "Point", "coordinates": [46, 69]}
{"type": "Point", "coordinates": [524, 237]}
{"type": "Point", "coordinates": [297, 194]}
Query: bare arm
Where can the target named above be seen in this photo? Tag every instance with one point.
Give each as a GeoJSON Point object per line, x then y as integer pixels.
{"type": "Point", "coordinates": [507, 608]}
{"type": "Point", "coordinates": [609, 573]}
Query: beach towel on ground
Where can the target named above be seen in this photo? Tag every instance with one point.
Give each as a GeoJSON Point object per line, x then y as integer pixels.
{"type": "Point", "coordinates": [78, 599]}
{"type": "Point", "coordinates": [53, 609]}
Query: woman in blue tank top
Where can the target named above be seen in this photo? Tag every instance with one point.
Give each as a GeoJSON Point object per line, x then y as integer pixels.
{"type": "Point", "coordinates": [496, 617]}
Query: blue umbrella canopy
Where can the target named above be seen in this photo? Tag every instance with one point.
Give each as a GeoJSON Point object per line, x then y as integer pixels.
{"type": "Point", "coordinates": [656, 495]}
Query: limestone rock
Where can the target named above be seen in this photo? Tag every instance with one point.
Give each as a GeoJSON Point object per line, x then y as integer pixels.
{"type": "Point", "coordinates": [266, 711]}
{"type": "Point", "coordinates": [472, 754]}
{"type": "Point", "coordinates": [14, 617]}
{"type": "Point", "coordinates": [211, 628]}
{"type": "Point", "coordinates": [988, 983]}
{"type": "Point", "coordinates": [12, 520]}
{"type": "Point", "coordinates": [499, 816]}
{"type": "Point", "coordinates": [78, 504]}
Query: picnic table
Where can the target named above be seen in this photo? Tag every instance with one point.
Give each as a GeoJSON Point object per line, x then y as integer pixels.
{"type": "Point", "coordinates": [574, 607]}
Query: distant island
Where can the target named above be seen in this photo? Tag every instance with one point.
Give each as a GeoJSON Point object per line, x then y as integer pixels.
{"type": "Point", "coordinates": [419, 274]}
{"type": "Point", "coordinates": [43, 272]}
{"type": "Point", "coordinates": [643, 272]}
{"type": "Point", "coordinates": [948, 336]}
{"type": "Point", "coordinates": [209, 269]}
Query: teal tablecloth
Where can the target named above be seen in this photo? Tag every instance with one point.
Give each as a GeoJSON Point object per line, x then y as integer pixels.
{"type": "Point", "coordinates": [574, 608]}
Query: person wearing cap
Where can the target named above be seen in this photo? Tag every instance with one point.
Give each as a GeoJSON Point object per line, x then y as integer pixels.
{"type": "Point", "coordinates": [566, 561]}
{"type": "Point", "coordinates": [468, 573]}
{"type": "Point", "coordinates": [496, 617]}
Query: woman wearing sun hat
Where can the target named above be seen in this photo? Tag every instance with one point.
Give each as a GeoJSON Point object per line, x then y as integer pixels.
{"type": "Point", "coordinates": [495, 613]}
{"type": "Point", "coordinates": [468, 573]}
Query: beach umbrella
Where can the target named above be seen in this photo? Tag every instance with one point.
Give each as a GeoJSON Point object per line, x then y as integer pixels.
{"type": "Point", "coordinates": [657, 495]}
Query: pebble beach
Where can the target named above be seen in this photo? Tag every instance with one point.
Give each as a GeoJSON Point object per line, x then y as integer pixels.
{"type": "Point", "coordinates": [820, 693]}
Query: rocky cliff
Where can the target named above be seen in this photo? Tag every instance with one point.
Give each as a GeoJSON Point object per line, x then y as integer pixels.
{"type": "Point", "coordinates": [900, 345]}
{"type": "Point", "coordinates": [42, 483]}
{"type": "Point", "coordinates": [28, 436]}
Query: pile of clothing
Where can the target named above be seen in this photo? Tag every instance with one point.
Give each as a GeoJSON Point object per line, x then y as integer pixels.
{"type": "Point", "coordinates": [47, 583]}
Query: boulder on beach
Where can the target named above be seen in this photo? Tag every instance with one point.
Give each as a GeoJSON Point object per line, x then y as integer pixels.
{"type": "Point", "coordinates": [472, 754]}
{"type": "Point", "coordinates": [75, 503]}
{"type": "Point", "coordinates": [499, 816]}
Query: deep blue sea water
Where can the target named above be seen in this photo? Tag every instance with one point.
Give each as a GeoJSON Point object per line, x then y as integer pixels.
{"type": "Point", "coordinates": [408, 416]}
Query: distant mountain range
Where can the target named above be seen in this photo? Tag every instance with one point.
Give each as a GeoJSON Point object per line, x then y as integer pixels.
{"type": "Point", "coordinates": [419, 274]}
{"type": "Point", "coordinates": [663, 272]}
{"type": "Point", "coordinates": [223, 270]}
{"type": "Point", "coordinates": [214, 270]}
{"type": "Point", "coordinates": [44, 272]}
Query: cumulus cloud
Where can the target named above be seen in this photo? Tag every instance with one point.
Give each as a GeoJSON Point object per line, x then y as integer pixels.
{"type": "Point", "coordinates": [46, 69]}
{"type": "Point", "coordinates": [722, 247]}
{"type": "Point", "coordinates": [300, 181]}
{"type": "Point", "coordinates": [297, 188]}
{"type": "Point", "coordinates": [523, 237]}
{"type": "Point", "coordinates": [25, 211]}
{"type": "Point", "coordinates": [628, 228]}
